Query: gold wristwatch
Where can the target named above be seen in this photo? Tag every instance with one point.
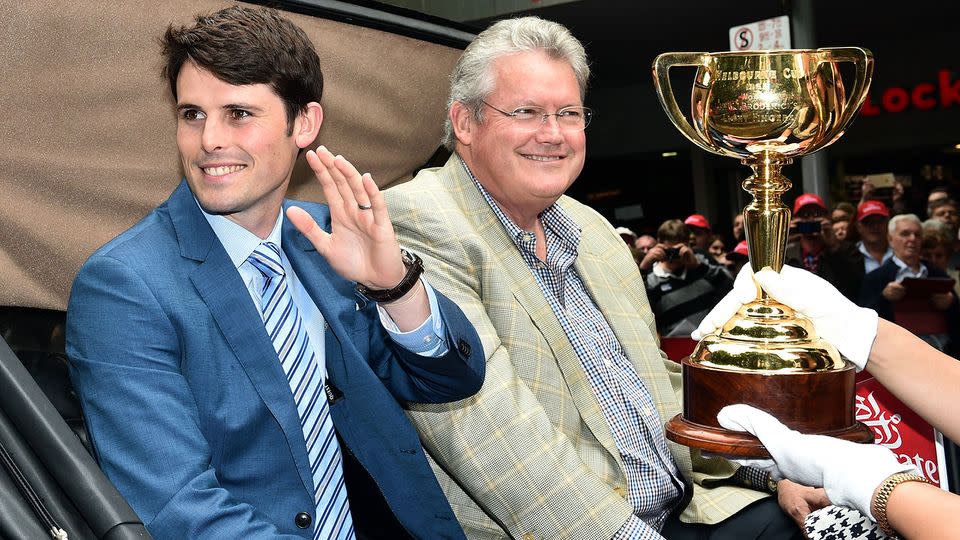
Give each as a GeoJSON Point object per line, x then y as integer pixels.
{"type": "Point", "coordinates": [882, 497]}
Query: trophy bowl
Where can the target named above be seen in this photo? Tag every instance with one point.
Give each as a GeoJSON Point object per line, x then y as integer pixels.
{"type": "Point", "coordinates": [765, 108]}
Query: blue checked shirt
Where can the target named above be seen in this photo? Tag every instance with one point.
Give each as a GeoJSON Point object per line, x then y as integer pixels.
{"type": "Point", "coordinates": [653, 480]}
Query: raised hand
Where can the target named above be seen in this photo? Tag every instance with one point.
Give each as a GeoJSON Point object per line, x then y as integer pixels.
{"type": "Point", "coordinates": [361, 245]}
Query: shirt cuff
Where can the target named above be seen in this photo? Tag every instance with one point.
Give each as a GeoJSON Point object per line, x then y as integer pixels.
{"type": "Point", "coordinates": [754, 478]}
{"type": "Point", "coordinates": [426, 340]}
{"type": "Point", "coordinates": [636, 528]}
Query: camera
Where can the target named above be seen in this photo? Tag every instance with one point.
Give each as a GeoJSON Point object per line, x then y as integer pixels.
{"type": "Point", "coordinates": [806, 227]}
{"type": "Point", "coordinates": [671, 254]}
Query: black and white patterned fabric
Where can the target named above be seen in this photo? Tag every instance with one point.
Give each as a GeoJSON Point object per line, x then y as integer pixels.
{"type": "Point", "coordinates": [841, 523]}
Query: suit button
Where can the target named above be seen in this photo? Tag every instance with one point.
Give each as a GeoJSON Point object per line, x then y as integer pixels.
{"type": "Point", "coordinates": [463, 347]}
{"type": "Point", "coordinates": [528, 536]}
{"type": "Point", "coordinates": [303, 520]}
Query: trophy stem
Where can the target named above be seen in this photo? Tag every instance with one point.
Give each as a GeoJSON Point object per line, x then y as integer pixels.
{"type": "Point", "coordinates": [766, 220]}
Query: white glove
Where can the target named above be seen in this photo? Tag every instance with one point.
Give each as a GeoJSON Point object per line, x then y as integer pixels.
{"type": "Point", "coordinates": [744, 290]}
{"type": "Point", "coordinates": [849, 472]}
{"type": "Point", "coordinates": [847, 326]}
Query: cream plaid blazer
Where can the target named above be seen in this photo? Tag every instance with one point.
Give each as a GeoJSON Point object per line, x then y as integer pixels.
{"type": "Point", "coordinates": [530, 455]}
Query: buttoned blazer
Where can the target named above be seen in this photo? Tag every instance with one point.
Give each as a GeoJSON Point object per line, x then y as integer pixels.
{"type": "Point", "coordinates": [190, 412]}
{"type": "Point", "coordinates": [871, 294]}
{"type": "Point", "coordinates": [530, 455]}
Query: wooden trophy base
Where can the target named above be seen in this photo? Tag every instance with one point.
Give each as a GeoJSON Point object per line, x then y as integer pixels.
{"type": "Point", "coordinates": [817, 402]}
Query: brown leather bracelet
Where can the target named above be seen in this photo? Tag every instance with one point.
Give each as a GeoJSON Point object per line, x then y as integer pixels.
{"type": "Point", "coordinates": [414, 266]}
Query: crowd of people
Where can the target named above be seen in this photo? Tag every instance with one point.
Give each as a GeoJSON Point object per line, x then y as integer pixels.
{"type": "Point", "coordinates": [878, 255]}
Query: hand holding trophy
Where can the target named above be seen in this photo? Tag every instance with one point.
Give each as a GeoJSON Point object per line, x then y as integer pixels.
{"type": "Point", "coordinates": [765, 108]}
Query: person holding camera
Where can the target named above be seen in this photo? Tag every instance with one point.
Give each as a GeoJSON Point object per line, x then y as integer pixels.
{"type": "Point", "coordinates": [680, 287]}
{"type": "Point", "coordinates": [813, 246]}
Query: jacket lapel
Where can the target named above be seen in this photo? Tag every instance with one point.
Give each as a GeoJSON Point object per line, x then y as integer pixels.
{"type": "Point", "coordinates": [222, 289]}
{"type": "Point", "coordinates": [530, 298]}
{"type": "Point", "coordinates": [639, 345]}
{"type": "Point", "coordinates": [619, 307]}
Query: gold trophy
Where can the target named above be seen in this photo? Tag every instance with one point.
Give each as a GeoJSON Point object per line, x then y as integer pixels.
{"type": "Point", "coordinates": [765, 108]}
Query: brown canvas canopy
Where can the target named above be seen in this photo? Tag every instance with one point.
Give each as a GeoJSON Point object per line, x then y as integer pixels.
{"type": "Point", "coordinates": [88, 127]}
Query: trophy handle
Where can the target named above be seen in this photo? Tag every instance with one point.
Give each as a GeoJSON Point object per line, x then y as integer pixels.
{"type": "Point", "coordinates": [862, 60]}
{"type": "Point", "coordinates": [661, 80]}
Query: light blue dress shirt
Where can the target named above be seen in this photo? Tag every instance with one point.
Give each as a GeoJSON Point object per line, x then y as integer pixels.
{"type": "Point", "coordinates": [904, 271]}
{"type": "Point", "coordinates": [426, 340]}
{"type": "Point", "coordinates": [869, 263]}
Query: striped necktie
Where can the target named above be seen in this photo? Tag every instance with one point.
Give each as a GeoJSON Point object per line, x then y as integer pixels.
{"type": "Point", "coordinates": [286, 329]}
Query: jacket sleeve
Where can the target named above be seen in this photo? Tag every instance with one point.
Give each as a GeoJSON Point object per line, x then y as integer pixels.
{"type": "Point", "coordinates": [871, 293]}
{"type": "Point", "coordinates": [142, 417]}
{"type": "Point", "coordinates": [423, 379]}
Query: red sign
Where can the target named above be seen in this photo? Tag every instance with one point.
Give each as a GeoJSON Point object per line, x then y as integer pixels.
{"type": "Point", "coordinates": [924, 96]}
{"type": "Point", "coordinates": [900, 429]}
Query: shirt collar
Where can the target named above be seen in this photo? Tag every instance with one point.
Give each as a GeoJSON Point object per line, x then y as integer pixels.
{"type": "Point", "coordinates": [240, 242]}
{"type": "Point", "coordinates": [661, 271]}
{"type": "Point", "coordinates": [863, 250]}
{"type": "Point", "coordinates": [905, 271]}
{"type": "Point", "coordinates": [555, 221]}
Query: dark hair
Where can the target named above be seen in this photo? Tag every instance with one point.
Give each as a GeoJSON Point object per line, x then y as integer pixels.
{"type": "Point", "coordinates": [673, 230]}
{"type": "Point", "coordinates": [242, 45]}
{"type": "Point", "coordinates": [941, 202]}
{"type": "Point", "coordinates": [844, 206]}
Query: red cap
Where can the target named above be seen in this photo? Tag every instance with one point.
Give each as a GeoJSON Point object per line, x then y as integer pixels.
{"type": "Point", "coordinates": [808, 198]}
{"type": "Point", "coordinates": [741, 249]}
{"type": "Point", "coordinates": [872, 208]}
{"type": "Point", "coordinates": [697, 220]}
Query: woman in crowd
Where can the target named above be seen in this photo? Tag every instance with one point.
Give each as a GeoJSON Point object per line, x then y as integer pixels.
{"type": "Point", "coordinates": [717, 250]}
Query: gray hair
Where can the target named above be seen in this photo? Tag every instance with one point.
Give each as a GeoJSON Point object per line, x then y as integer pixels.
{"type": "Point", "coordinates": [892, 225]}
{"type": "Point", "coordinates": [934, 224]}
{"type": "Point", "coordinates": [472, 78]}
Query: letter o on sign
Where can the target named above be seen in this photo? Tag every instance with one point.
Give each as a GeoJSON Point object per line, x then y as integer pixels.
{"type": "Point", "coordinates": [896, 99]}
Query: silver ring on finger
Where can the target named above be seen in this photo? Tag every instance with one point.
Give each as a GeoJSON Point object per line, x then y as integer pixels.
{"type": "Point", "coordinates": [364, 206]}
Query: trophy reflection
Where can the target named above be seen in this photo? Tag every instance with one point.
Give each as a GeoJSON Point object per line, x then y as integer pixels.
{"type": "Point", "coordinates": [765, 108]}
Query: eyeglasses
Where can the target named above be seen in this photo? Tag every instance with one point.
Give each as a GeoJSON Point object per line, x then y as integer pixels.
{"type": "Point", "coordinates": [530, 118]}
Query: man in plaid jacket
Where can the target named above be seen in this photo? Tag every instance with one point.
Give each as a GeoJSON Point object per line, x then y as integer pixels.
{"type": "Point", "coordinates": [565, 439]}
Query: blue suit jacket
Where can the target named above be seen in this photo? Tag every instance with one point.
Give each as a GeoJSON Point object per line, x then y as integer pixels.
{"type": "Point", "coordinates": [189, 409]}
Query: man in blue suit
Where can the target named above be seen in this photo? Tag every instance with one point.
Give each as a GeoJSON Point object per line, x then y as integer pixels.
{"type": "Point", "coordinates": [242, 369]}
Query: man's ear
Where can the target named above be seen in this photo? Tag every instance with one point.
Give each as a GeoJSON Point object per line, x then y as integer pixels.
{"type": "Point", "coordinates": [307, 125]}
{"type": "Point", "coordinates": [463, 122]}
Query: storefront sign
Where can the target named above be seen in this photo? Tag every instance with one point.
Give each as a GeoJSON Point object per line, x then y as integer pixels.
{"type": "Point", "coordinates": [924, 96]}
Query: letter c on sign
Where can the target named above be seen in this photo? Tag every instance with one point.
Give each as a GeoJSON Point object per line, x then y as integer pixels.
{"type": "Point", "coordinates": [919, 96]}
